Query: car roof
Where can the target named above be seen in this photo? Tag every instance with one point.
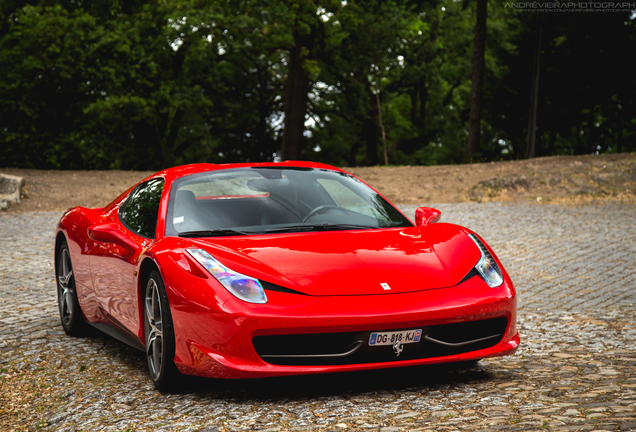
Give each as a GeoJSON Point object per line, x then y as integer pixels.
{"type": "Point", "coordinates": [170, 174]}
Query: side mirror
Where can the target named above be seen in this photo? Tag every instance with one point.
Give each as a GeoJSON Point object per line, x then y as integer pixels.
{"type": "Point", "coordinates": [427, 215]}
{"type": "Point", "coordinates": [110, 233]}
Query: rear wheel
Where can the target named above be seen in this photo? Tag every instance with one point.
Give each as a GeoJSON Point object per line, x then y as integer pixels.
{"type": "Point", "coordinates": [159, 334]}
{"type": "Point", "coordinates": [71, 314]}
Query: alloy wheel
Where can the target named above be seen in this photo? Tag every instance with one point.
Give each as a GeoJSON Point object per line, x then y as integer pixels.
{"type": "Point", "coordinates": [154, 333]}
{"type": "Point", "coordinates": [65, 287]}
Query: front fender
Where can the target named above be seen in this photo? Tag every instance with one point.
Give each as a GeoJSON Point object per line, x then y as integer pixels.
{"type": "Point", "coordinates": [191, 291]}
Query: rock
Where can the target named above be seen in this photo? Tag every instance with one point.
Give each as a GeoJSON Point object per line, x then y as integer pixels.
{"type": "Point", "coordinates": [406, 415]}
{"type": "Point", "coordinates": [10, 188]}
{"type": "Point", "coordinates": [444, 413]}
{"type": "Point", "coordinates": [56, 418]}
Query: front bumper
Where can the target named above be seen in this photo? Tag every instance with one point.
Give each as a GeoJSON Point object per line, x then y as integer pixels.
{"type": "Point", "coordinates": [217, 340]}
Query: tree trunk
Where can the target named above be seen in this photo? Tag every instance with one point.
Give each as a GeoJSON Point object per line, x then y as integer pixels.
{"type": "Point", "coordinates": [415, 115]}
{"type": "Point", "coordinates": [380, 123]}
{"type": "Point", "coordinates": [619, 141]}
{"type": "Point", "coordinates": [370, 134]}
{"type": "Point", "coordinates": [352, 153]}
{"type": "Point", "coordinates": [296, 87]}
{"type": "Point", "coordinates": [478, 76]}
{"type": "Point", "coordinates": [423, 100]}
{"type": "Point", "coordinates": [534, 98]}
{"type": "Point", "coordinates": [419, 96]}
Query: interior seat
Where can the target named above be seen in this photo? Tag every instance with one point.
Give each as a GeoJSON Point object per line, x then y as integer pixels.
{"type": "Point", "coordinates": [187, 215]}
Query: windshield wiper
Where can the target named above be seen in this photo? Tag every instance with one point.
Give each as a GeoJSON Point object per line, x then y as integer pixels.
{"type": "Point", "coordinates": [213, 233]}
{"type": "Point", "coordinates": [318, 227]}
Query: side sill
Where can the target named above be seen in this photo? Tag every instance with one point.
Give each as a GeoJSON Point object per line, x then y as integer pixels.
{"type": "Point", "coordinates": [119, 335]}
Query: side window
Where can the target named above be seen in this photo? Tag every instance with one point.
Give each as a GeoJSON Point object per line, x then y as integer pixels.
{"type": "Point", "coordinates": [139, 213]}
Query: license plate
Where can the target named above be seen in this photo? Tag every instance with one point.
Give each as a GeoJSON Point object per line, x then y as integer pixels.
{"type": "Point", "coordinates": [390, 338]}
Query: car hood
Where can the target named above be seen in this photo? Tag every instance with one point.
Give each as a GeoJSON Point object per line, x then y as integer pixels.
{"type": "Point", "coordinates": [358, 262]}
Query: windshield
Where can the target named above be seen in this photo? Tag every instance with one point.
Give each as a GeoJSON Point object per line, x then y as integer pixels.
{"type": "Point", "coordinates": [264, 200]}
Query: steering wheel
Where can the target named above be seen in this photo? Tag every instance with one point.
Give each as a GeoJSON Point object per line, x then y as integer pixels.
{"type": "Point", "coordinates": [324, 207]}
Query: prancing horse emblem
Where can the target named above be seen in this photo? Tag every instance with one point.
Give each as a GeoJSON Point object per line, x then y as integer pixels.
{"type": "Point", "coordinates": [398, 347]}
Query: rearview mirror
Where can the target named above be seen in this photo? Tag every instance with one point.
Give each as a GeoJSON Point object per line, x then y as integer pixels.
{"type": "Point", "coordinates": [427, 215]}
{"type": "Point", "coordinates": [110, 233]}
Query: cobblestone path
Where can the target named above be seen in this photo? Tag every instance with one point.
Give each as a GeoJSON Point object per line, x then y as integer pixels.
{"type": "Point", "coordinates": [575, 273]}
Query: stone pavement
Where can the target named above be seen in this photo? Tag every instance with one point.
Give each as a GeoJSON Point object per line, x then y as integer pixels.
{"type": "Point", "coordinates": [575, 272]}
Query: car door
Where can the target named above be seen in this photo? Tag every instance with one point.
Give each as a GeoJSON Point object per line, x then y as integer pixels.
{"type": "Point", "coordinates": [113, 265]}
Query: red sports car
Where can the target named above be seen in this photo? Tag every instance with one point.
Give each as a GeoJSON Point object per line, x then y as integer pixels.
{"type": "Point", "coordinates": [254, 270]}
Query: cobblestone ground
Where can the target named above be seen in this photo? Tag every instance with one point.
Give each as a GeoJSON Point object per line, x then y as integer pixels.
{"type": "Point", "coordinates": [575, 272]}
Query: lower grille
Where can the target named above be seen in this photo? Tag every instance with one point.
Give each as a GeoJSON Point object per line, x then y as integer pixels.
{"type": "Point", "coordinates": [353, 347]}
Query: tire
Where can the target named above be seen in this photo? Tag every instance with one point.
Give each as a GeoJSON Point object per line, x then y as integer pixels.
{"type": "Point", "coordinates": [159, 334]}
{"type": "Point", "coordinates": [71, 315]}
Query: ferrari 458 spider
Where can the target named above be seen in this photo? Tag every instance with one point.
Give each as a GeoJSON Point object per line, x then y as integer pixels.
{"type": "Point", "coordinates": [254, 270]}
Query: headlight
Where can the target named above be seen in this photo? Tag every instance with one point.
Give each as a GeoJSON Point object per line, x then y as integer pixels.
{"type": "Point", "coordinates": [243, 287]}
{"type": "Point", "coordinates": [487, 267]}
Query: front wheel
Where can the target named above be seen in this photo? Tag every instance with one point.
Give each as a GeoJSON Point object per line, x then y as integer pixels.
{"type": "Point", "coordinates": [71, 314]}
{"type": "Point", "coordinates": [160, 345]}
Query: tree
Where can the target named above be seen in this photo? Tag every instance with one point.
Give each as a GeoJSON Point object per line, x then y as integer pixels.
{"type": "Point", "coordinates": [304, 27]}
{"type": "Point", "coordinates": [45, 84]}
{"type": "Point", "coordinates": [114, 84]}
{"type": "Point", "coordinates": [362, 51]}
{"type": "Point", "coordinates": [534, 96]}
{"type": "Point", "coordinates": [474, 129]}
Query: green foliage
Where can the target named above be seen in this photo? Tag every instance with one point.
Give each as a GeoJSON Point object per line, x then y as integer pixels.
{"type": "Point", "coordinates": [146, 85]}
